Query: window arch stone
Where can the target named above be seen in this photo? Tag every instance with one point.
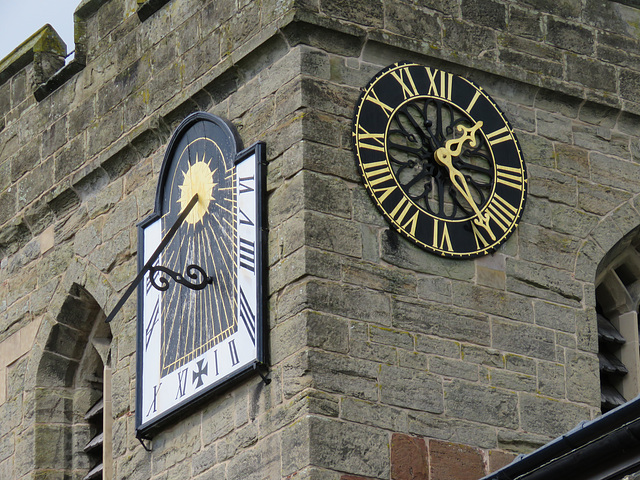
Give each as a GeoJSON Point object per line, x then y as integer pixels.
{"type": "Point", "coordinates": [69, 381]}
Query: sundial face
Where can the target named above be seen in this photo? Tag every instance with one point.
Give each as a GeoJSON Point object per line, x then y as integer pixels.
{"type": "Point", "coordinates": [200, 306]}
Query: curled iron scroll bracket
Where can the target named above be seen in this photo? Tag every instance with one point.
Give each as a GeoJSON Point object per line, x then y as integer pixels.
{"type": "Point", "coordinates": [194, 272]}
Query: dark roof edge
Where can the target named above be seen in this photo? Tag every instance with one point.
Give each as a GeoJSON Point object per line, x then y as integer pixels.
{"type": "Point", "coordinates": [603, 448]}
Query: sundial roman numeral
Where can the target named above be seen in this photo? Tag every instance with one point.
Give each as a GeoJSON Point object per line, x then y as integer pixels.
{"type": "Point", "coordinates": [233, 352]}
{"type": "Point", "coordinates": [247, 255]}
{"type": "Point", "coordinates": [247, 316]}
{"type": "Point", "coordinates": [155, 316]}
{"type": "Point", "coordinates": [182, 383]}
{"type": "Point", "coordinates": [244, 188]}
{"type": "Point", "coordinates": [154, 403]}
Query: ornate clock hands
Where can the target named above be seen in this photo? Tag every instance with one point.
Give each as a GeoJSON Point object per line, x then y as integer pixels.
{"type": "Point", "coordinates": [444, 156]}
{"type": "Point", "coordinates": [147, 266]}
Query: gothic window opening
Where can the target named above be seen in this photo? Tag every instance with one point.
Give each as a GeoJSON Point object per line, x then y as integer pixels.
{"type": "Point", "coordinates": [74, 439]}
{"type": "Point", "coordinates": [617, 299]}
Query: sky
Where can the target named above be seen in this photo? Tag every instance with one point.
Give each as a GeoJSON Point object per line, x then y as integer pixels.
{"type": "Point", "coordinates": [19, 19]}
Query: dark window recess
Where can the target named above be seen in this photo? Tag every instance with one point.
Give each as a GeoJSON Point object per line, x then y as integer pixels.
{"type": "Point", "coordinates": [612, 370]}
{"type": "Point", "coordinates": [94, 448]}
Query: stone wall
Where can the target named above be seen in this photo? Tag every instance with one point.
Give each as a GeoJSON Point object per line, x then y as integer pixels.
{"type": "Point", "coordinates": [375, 346]}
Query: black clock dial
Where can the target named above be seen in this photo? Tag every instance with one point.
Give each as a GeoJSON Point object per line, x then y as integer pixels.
{"type": "Point", "coordinates": [440, 160]}
{"type": "Point", "coordinates": [193, 320]}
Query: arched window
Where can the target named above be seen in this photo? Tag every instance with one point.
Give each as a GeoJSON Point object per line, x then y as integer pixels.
{"type": "Point", "coordinates": [73, 393]}
{"type": "Point", "coordinates": [617, 299]}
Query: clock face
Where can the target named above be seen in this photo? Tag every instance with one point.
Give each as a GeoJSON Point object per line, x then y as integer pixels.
{"type": "Point", "coordinates": [440, 160]}
{"type": "Point", "coordinates": [199, 311]}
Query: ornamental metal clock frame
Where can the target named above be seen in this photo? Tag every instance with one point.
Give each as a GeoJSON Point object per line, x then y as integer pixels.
{"type": "Point", "coordinates": [200, 307]}
{"type": "Point", "coordinates": [440, 160]}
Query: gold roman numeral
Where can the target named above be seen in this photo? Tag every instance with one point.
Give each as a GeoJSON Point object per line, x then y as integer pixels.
{"type": "Point", "coordinates": [499, 136]}
{"type": "Point", "coordinates": [440, 83]}
{"type": "Point", "coordinates": [479, 238]}
{"type": "Point", "coordinates": [473, 101]}
{"type": "Point", "coordinates": [373, 98]}
{"type": "Point", "coordinates": [377, 172]}
{"type": "Point", "coordinates": [441, 239]}
{"type": "Point", "coordinates": [501, 212]}
{"type": "Point", "coordinates": [376, 139]}
{"type": "Point", "coordinates": [401, 211]}
{"type": "Point", "coordinates": [404, 78]}
{"type": "Point", "coordinates": [509, 176]}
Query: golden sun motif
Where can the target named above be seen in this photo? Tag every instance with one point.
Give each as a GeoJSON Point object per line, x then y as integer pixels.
{"type": "Point", "coordinates": [197, 179]}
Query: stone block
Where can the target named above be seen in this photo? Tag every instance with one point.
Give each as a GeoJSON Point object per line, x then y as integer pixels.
{"type": "Point", "coordinates": [525, 23]}
{"type": "Point", "coordinates": [483, 404]}
{"type": "Point", "coordinates": [512, 380]}
{"type": "Point", "coordinates": [555, 186]}
{"type": "Point", "coordinates": [35, 183]}
{"type": "Point", "coordinates": [583, 377]}
{"type": "Point", "coordinates": [373, 351]}
{"type": "Point", "coordinates": [373, 414]}
{"type": "Point", "coordinates": [389, 336]}
{"type": "Point", "coordinates": [412, 21]}
{"type": "Point", "coordinates": [554, 127]}
{"type": "Point", "coordinates": [499, 459]}
{"type": "Point", "coordinates": [295, 446]}
{"type": "Point", "coordinates": [591, 73]}
{"type": "Point", "coordinates": [493, 302]}
{"type": "Point", "coordinates": [328, 129]}
{"type": "Point", "coordinates": [451, 368]}
{"type": "Point", "coordinates": [523, 338]}
{"type": "Point", "coordinates": [559, 417]}
{"type": "Point", "coordinates": [488, 13]}
{"type": "Point", "coordinates": [441, 321]}
{"type": "Point", "coordinates": [368, 447]}
{"type": "Point", "coordinates": [333, 234]}
{"type": "Point", "coordinates": [551, 379]}
{"type": "Point", "coordinates": [570, 36]}
{"type": "Point", "coordinates": [378, 277]}
{"type": "Point", "coordinates": [543, 282]}
{"type": "Point", "coordinates": [401, 253]}
{"type": "Point", "coordinates": [453, 430]}
{"type": "Point", "coordinates": [602, 140]}
{"type": "Point", "coordinates": [327, 194]}
{"type": "Point", "coordinates": [520, 442]}
{"type": "Point", "coordinates": [350, 302]}
{"type": "Point", "coordinates": [411, 388]}
{"type": "Point", "coordinates": [327, 332]}
{"type": "Point", "coordinates": [469, 40]}
{"type": "Point", "coordinates": [547, 247]}
{"type": "Point", "coordinates": [344, 375]}
{"type": "Point", "coordinates": [448, 460]}
{"type": "Point", "coordinates": [409, 458]}
{"type": "Point", "coordinates": [434, 288]}
{"type": "Point", "coordinates": [557, 317]}
{"type": "Point", "coordinates": [483, 356]}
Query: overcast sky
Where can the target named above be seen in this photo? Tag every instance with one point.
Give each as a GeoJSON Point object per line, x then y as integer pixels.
{"type": "Point", "coordinates": [19, 19]}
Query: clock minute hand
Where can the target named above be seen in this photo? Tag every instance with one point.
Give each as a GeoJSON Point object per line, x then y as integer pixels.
{"type": "Point", "coordinates": [154, 256]}
{"type": "Point", "coordinates": [444, 155]}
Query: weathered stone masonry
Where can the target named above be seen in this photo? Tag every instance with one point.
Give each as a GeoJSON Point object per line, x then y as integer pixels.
{"type": "Point", "coordinates": [378, 350]}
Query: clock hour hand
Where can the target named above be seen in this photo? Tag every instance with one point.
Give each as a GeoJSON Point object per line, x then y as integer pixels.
{"type": "Point", "coordinates": [444, 156]}
{"type": "Point", "coordinates": [154, 256]}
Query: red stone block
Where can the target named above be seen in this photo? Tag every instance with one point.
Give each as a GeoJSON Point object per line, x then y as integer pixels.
{"type": "Point", "coordinates": [408, 458]}
{"type": "Point", "coordinates": [451, 461]}
{"type": "Point", "coordinates": [499, 459]}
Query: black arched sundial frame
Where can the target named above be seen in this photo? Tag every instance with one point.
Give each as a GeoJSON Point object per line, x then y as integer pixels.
{"type": "Point", "coordinates": [200, 303]}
